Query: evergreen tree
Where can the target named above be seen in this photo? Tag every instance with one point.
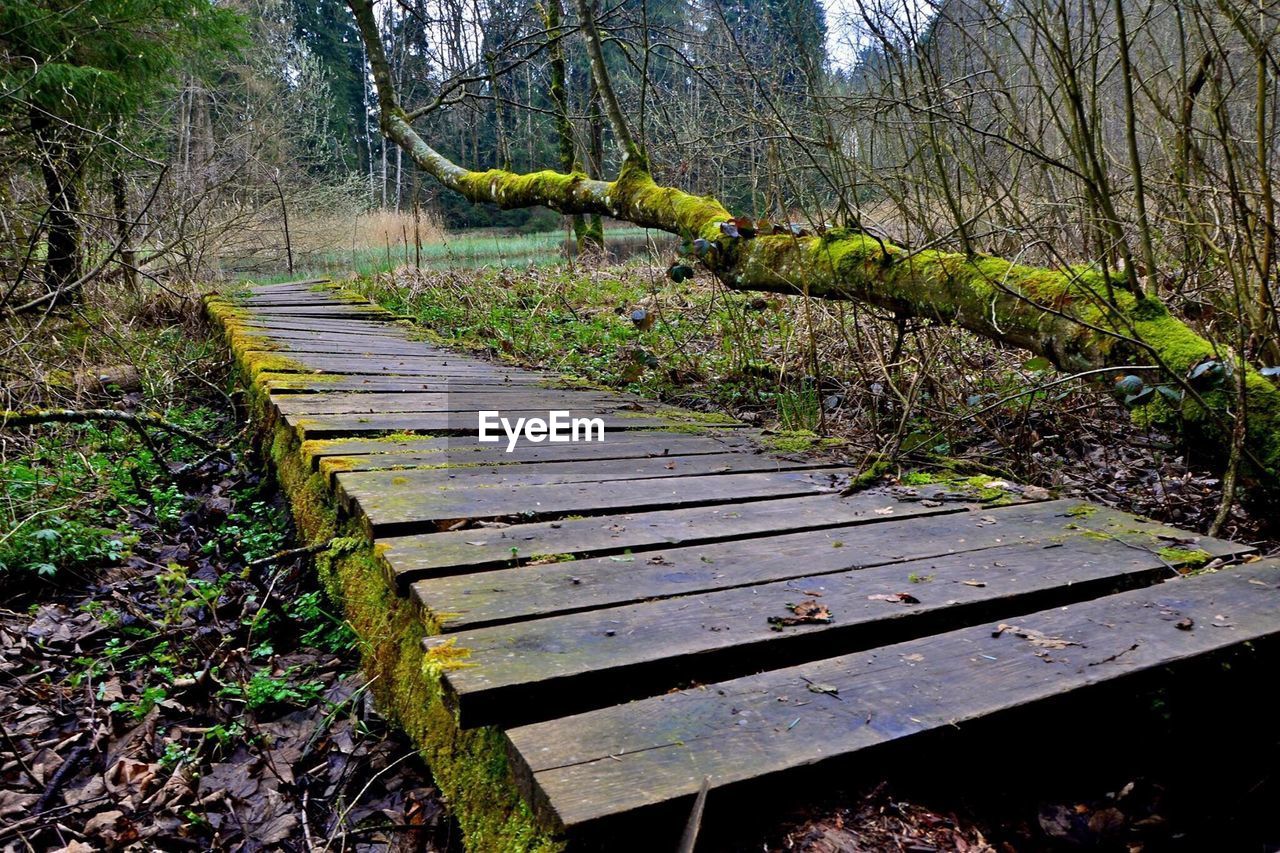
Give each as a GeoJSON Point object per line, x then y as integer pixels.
{"type": "Point", "coordinates": [75, 74]}
{"type": "Point", "coordinates": [327, 30]}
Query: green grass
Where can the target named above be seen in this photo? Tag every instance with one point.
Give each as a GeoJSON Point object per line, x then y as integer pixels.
{"type": "Point", "coordinates": [706, 349]}
{"type": "Point", "coordinates": [460, 250]}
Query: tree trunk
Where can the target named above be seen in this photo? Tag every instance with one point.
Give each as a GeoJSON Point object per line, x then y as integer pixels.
{"type": "Point", "coordinates": [128, 259]}
{"type": "Point", "coordinates": [1078, 318]}
{"type": "Point", "coordinates": [589, 237]}
{"type": "Point", "coordinates": [60, 168]}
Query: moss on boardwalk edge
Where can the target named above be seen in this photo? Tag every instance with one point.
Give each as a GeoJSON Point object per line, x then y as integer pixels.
{"type": "Point", "coordinates": [470, 767]}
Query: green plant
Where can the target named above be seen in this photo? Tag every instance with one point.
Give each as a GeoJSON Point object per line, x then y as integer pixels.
{"type": "Point", "coordinates": [142, 706]}
{"type": "Point", "coordinates": [263, 689]}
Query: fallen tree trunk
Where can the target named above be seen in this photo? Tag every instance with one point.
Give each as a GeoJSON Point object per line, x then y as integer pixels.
{"type": "Point", "coordinates": [1079, 319]}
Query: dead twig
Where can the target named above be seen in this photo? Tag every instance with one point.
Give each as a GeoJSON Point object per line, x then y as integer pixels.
{"type": "Point", "coordinates": [15, 420]}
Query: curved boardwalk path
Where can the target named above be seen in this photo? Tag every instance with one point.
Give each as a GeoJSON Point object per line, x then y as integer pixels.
{"type": "Point", "coordinates": [673, 604]}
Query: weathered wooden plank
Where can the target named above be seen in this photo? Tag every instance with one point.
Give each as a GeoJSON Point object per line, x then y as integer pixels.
{"type": "Point", "coordinates": [355, 331]}
{"type": "Point", "coordinates": [357, 342]}
{"type": "Point", "coordinates": [566, 664]}
{"type": "Point", "coordinates": [298, 297]}
{"type": "Point", "coordinates": [434, 480]}
{"type": "Point", "coordinates": [444, 364]}
{"type": "Point", "coordinates": [471, 454]}
{"type": "Point", "coordinates": [626, 444]}
{"type": "Point", "coordinates": [458, 602]}
{"type": "Point", "coordinates": [532, 399]}
{"type": "Point", "coordinates": [444, 423]}
{"type": "Point", "coordinates": [631, 759]}
{"type": "Point", "coordinates": [388, 514]}
{"type": "Point", "coordinates": [318, 283]}
{"type": "Point", "coordinates": [403, 366]}
{"type": "Point", "coordinates": [464, 551]}
{"type": "Point", "coordinates": [349, 341]}
{"type": "Point", "coordinates": [352, 327]}
{"type": "Point", "coordinates": [343, 345]}
{"type": "Point", "coordinates": [364, 311]}
{"type": "Point", "coordinates": [279, 288]}
{"type": "Point", "coordinates": [293, 383]}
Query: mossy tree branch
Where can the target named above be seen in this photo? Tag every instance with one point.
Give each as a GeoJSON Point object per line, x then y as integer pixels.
{"type": "Point", "coordinates": [35, 417]}
{"type": "Point", "coordinates": [1077, 318]}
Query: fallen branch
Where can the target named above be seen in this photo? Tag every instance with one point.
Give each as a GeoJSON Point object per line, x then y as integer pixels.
{"type": "Point", "coordinates": [10, 419]}
{"type": "Point", "coordinates": [289, 553]}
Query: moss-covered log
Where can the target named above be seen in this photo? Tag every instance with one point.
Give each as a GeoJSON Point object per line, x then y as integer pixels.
{"type": "Point", "coordinates": [1077, 318]}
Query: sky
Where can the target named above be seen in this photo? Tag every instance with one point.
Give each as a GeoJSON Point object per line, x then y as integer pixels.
{"type": "Point", "coordinates": [846, 32]}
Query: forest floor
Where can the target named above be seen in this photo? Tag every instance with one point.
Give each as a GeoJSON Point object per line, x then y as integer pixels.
{"type": "Point", "coordinates": [170, 681]}
{"type": "Point", "coordinates": [173, 677]}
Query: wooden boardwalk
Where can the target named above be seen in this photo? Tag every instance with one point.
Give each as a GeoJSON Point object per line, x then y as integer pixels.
{"type": "Point", "coordinates": [674, 604]}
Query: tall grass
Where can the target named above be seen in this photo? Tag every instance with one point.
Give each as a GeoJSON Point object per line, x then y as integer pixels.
{"type": "Point", "coordinates": [381, 241]}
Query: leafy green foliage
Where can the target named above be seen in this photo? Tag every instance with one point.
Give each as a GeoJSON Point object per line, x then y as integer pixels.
{"type": "Point", "coordinates": [96, 62]}
{"type": "Point", "coordinates": [264, 689]}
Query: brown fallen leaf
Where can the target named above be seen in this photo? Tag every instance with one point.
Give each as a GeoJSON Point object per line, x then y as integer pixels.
{"type": "Point", "coordinates": [895, 597]}
{"type": "Point", "coordinates": [808, 612]}
{"type": "Point", "coordinates": [1036, 638]}
{"type": "Point", "coordinates": [974, 583]}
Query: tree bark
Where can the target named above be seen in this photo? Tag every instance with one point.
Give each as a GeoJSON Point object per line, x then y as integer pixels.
{"type": "Point", "coordinates": [589, 234]}
{"type": "Point", "coordinates": [120, 202]}
{"type": "Point", "coordinates": [1078, 318]}
{"type": "Point", "coordinates": [60, 168]}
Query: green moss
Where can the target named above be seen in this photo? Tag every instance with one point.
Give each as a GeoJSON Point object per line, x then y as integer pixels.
{"type": "Point", "coordinates": [538, 559]}
{"type": "Point", "coordinates": [1186, 559]}
{"type": "Point", "coordinates": [798, 441]}
{"type": "Point", "coordinates": [470, 766]}
{"type": "Point", "coordinates": [1081, 511]}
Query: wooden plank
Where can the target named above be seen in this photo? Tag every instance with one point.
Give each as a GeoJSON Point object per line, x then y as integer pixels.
{"type": "Point", "coordinates": [348, 402]}
{"type": "Point", "coordinates": [470, 453]}
{"type": "Point", "coordinates": [353, 327]}
{"type": "Point", "coordinates": [451, 423]}
{"type": "Point", "coordinates": [353, 340]}
{"type": "Point", "coordinates": [352, 343]}
{"type": "Point", "coordinates": [445, 364]}
{"type": "Point", "coordinates": [279, 288]}
{"type": "Point", "coordinates": [459, 602]}
{"type": "Point", "coordinates": [576, 470]}
{"type": "Point", "coordinates": [419, 366]}
{"type": "Point", "coordinates": [342, 345]}
{"type": "Point", "coordinates": [628, 444]}
{"type": "Point", "coordinates": [464, 551]}
{"type": "Point", "coordinates": [356, 333]}
{"type": "Point", "coordinates": [321, 284]}
{"type": "Point", "coordinates": [389, 514]}
{"type": "Point", "coordinates": [566, 664]}
{"type": "Point", "coordinates": [362, 311]}
{"type": "Point", "coordinates": [297, 297]}
{"type": "Point", "coordinates": [293, 383]}
{"type": "Point", "coordinates": [633, 759]}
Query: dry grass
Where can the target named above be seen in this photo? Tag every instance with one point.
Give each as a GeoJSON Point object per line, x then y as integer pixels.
{"type": "Point", "coordinates": [373, 229]}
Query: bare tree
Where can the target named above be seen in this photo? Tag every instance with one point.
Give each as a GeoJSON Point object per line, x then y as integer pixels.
{"type": "Point", "coordinates": [1083, 318]}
